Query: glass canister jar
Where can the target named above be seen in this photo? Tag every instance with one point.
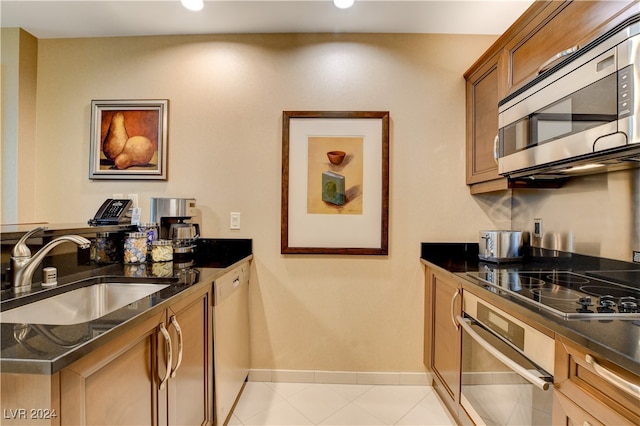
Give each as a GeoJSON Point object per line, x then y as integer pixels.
{"type": "Point", "coordinates": [161, 251]}
{"type": "Point", "coordinates": [135, 247]}
{"type": "Point", "coordinates": [107, 248]}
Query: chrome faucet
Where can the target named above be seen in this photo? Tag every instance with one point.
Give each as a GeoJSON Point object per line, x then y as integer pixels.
{"type": "Point", "coordinates": [24, 265]}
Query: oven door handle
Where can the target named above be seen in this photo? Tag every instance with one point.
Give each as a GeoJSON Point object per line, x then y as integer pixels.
{"type": "Point", "coordinates": [523, 372]}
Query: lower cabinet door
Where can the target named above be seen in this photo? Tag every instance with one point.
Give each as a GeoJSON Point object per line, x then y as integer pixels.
{"type": "Point", "coordinates": [442, 336]}
{"type": "Point", "coordinates": [116, 384]}
{"type": "Point", "coordinates": [189, 392]}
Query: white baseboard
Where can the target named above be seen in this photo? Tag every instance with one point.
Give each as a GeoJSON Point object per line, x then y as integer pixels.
{"type": "Point", "coordinates": [341, 377]}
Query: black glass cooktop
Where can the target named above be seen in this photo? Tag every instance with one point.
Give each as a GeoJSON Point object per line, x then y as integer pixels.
{"type": "Point", "coordinates": [568, 294]}
{"type": "Point", "coordinates": [629, 278]}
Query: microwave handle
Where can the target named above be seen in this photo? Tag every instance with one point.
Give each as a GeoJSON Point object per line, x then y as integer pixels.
{"type": "Point", "coordinates": [496, 154]}
{"type": "Point", "coordinates": [523, 372]}
{"type": "Point", "coordinates": [556, 58]}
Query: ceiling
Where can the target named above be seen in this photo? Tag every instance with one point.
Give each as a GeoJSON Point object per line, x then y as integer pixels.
{"type": "Point", "coordinates": [76, 18]}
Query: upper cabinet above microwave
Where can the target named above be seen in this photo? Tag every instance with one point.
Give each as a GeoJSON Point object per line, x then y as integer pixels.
{"type": "Point", "coordinates": [545, 30]}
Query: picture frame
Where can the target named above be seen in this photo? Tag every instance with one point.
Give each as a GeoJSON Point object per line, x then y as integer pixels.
{"type": "Point", "coordinates": [335, 182]}
{"type": "Point", "coordinates": [129, 139]}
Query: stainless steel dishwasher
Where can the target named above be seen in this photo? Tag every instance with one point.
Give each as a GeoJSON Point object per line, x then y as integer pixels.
{"type": "Point", "coordinates": [230, 339]}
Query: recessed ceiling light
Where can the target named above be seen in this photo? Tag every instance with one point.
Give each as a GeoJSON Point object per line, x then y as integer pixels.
{"type": "Point", "coordinates": [195, 5]}
{"type": "Point", "coordinates": [343, 4]}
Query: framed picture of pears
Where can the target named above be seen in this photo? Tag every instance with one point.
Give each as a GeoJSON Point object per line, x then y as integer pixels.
{"type": "Point", "coordinates": [335, 182]}
{"type": "Point", "coordinates": [129, 139]}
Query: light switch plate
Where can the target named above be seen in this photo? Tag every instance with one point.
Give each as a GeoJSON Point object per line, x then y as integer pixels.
{"type": "Point", "coordinates": [234, 220]}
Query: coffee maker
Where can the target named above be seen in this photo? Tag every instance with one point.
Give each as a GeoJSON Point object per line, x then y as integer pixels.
{"type": "Point", "coordinates": [175, 217]}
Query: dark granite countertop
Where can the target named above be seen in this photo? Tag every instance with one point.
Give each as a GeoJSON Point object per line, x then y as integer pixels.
{"type": "Point", "coordinates": [46, 349]}
{"type": "Point", "coordinates": [616, 340]}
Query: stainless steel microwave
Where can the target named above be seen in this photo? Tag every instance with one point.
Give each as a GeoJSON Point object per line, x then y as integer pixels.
{"type": "Point", "coordinates": [580, 116]}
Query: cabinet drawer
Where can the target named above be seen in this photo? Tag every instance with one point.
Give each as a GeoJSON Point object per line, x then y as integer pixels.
{"type": "Point", "coordinates": [565, 412]}
{"type": "Point", "coordinates": [578, 380]}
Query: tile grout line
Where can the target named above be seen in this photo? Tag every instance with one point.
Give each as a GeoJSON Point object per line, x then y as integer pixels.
{"type": "Point", "coordinates": [414, 407]}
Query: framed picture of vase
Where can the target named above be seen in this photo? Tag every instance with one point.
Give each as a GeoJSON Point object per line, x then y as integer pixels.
{"type": "Point", "coordinates": [129, 139]}
{"type": "Point", "coordinates": [335, 182]}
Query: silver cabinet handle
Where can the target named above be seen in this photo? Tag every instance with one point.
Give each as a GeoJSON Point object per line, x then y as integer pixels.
{"type": "Point", "coordinates": [174, 322]}
{"type": "Point", "coordinates": [523, 372]}
{"type": "Point", "coordinates": [613, 378]}
{"type": "Point", "coordinates": [496, 154]}
{"type": "Point", "coordinates": [168, 350]}
{"type": "Point", "coordinates": [453, 314]}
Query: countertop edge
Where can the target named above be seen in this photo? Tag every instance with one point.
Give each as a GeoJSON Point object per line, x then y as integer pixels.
{"type": "Point", "coordinates": [530, 315]}
{"type": "Point", "coordinates": [51, 367]}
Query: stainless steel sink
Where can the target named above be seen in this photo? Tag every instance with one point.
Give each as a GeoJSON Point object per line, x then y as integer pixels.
{"type": "Point", "coordinates": [80, 305]}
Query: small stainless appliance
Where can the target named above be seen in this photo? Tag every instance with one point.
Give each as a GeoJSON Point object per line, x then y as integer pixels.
{"type": "Point", "coordinates": [502, 246]}
{"type": "Point", "coordinates": [507, 367]}
{"type": "Point", "coordinates": [580, 116]}
{"type": "Point", "coordinates": [567, 294]}
{"type": "Point", "coordinates": [175, 217]}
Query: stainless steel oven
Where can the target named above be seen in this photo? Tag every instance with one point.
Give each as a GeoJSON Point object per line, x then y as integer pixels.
{"type": "Point", "coordinates": [507, 367]}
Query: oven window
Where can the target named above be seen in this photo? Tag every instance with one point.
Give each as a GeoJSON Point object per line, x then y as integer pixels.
{"type": "Point", "coordinates": [493, 394]}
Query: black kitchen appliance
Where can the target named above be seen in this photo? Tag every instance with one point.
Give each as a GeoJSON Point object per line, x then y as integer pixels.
{"type": "Point", "coordinates": [113, 212]}
{"type": "Point", "coordinates": [567, 294]}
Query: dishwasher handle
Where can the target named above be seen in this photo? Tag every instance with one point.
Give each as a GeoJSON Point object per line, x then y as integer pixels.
{"type": "Point", "coordinates": [521, 371]}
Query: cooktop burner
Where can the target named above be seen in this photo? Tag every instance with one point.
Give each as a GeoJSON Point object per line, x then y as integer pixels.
{"type": "Point", "coordinates": [567, 294]}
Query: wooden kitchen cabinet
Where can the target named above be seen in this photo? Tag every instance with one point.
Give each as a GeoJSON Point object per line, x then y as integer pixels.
{"type": "Point", "coordinates": [442, 351]}
{"type": "Point", "coordinates": [121, 383]}
{"type": "Point", "coordinates": [116, 384]}
{"type": "Point", "coordinates": [545, 29]}
{"type": "Point", "coordinates": [582, 396]}
{"type": "Point", "coordinates": [30, 399]}
{"type": "Point", "coordinates": [190, 386]}
{"type": "Point", "coordinates": [560, 25]}
{"type": "Point", "coordinates": [482, 124]}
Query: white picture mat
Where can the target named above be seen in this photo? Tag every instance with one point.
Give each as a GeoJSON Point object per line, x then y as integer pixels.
{"type": "Point", "coordinates": [335, 230]}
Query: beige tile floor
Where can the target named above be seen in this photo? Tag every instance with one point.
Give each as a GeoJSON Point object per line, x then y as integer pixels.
{"type": "Point", "coordinates": [278, 404]}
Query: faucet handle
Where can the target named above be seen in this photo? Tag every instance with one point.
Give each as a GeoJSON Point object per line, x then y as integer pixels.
{"type": "Point", "coordinates": [21, 249]}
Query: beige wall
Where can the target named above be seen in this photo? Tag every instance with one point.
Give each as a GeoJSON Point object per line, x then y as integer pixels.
{"type": "Point", "coordinates": [597, 215]}
{"type": "Point", "coordinates": [227, 94]}
{"type": "Point", "coordinates": [19, 78]}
